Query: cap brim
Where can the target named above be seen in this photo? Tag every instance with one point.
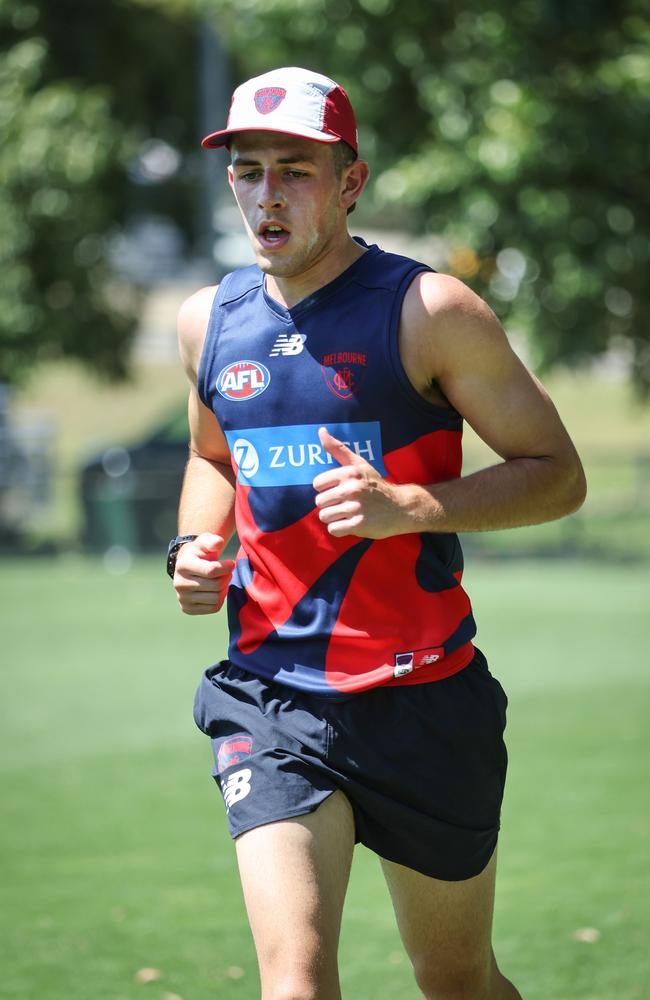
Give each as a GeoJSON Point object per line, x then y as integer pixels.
{"type": "Point", "coordinates": [218, 139]}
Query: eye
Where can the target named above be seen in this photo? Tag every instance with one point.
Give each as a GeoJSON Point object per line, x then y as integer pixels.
{"type": "Point", "coordinates": [250, 175]}
{"type": "Point", "coordinates": [297, 173]}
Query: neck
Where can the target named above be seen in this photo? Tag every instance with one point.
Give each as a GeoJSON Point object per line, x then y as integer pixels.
{"type": "Point", "coordinates": [292, 289]}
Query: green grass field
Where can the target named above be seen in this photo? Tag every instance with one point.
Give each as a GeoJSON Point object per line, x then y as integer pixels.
{"type": "Point", "coordinates": [114, 850]}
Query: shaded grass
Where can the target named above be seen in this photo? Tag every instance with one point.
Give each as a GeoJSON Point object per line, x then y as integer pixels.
{"type": "Point", "coordinates": [114, 845]}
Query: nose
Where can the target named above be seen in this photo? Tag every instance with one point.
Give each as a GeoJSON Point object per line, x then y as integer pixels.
{"type": "Point", "coordinates": [270, 193]}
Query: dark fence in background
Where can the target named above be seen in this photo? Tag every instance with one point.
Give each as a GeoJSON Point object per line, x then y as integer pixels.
{"type": "Point", "coordinates": [26, 478]}
{"type": "Point", "coordinates": [126, 500]}
{"type": "Point", "coordinates": [613, 523]}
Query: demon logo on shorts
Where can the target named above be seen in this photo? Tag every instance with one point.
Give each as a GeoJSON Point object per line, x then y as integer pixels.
{"type": "Point", "coordinates": [234, 750]}
{"type": "Point", "coordinates": [268, 98]}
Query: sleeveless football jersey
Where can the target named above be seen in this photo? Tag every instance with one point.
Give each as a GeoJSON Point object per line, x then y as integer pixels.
{"type": "Point", "coordinates": [318, 613]}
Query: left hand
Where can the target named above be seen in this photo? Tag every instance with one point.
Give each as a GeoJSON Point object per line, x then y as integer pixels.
{"type": "Point", "coordinates": [354, 499]}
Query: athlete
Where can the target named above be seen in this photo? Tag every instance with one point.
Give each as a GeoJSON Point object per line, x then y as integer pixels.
{"type": "Point", "coordinates": [329, 382]}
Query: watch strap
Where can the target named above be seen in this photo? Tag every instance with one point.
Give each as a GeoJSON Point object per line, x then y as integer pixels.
{"type": "Point", "coordinates": [172, 551]}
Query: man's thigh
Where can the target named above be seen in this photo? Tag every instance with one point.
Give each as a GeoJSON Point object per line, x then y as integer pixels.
{"type": "Point", "coordinates": [446, 928]}
{"type": "Point", "coordinates": [451, 919]}
{"type": "Point", "coordinates": [294, 874]}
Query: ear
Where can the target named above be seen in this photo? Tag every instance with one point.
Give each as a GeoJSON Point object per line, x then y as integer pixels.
{"type": "Point", "coordinates": [353, 181]}
{"type": "Point", "coordinates": [231, 176]}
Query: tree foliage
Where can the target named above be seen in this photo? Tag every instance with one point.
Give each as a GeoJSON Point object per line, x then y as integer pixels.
{"type": "Point", "coordinates": [517, 129]}
{"type": "Point", "coordinates": [80, 91]}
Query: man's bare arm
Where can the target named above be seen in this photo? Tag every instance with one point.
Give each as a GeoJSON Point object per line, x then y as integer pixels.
{"type": "Point", "coordinates": [208, 495]}
{"type": "Point", "coordinates": [469, 357]}
{"type": "Point", "coordinates": [450, 336]}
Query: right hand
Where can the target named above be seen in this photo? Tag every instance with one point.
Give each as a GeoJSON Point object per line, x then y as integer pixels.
{"type": "Point", "coordinates": [201, 579]}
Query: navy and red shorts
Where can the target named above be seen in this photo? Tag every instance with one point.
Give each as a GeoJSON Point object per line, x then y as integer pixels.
{"type": "Point", "coordinates": [422, 765]}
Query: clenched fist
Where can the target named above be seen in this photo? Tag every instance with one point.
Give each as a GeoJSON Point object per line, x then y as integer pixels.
{"type": "Point", "coordinates": [201, 578]}
{"type": "Point", "coordinates": [354, 499]}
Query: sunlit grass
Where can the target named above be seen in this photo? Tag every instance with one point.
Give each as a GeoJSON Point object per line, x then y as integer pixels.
{"type": "Point", "coordinates": [114, 845]}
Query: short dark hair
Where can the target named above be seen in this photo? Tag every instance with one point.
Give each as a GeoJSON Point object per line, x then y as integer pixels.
{"type": "Point", "coordinates": [343, 156]}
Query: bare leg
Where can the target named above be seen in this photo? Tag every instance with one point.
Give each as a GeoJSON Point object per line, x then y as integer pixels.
{"type": "Point", "coordinates": [446, 928]}
{"type": "Point", "coordinates": [295, 875]}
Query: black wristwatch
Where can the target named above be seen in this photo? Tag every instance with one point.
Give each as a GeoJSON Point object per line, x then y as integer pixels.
{"type": "Point", "coordinates": [172, 551]}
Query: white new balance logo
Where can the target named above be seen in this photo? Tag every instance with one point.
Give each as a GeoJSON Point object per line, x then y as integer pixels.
{"type": "Point", "coordinates": [288, 345]}
{"type": "Point", "coordinates": [237, 787]}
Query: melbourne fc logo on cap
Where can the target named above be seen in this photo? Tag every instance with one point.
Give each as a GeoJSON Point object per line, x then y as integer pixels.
{"type": "Point", "coordinates": [344, 372]}
{"type": "Point", "coordinates": [268, 98]}
{"type": "Point", "coordinates": [243, 380]}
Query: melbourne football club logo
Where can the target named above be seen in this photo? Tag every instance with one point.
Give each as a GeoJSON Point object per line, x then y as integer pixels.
{"type": "Point", "coordinates": [344, 372]}
{"type": "Point", "coordinates": [243, 380]}
{"type": "Point", "coordinates": [268, 98]}
{"type": "Point", "coordinates": [234, 750]}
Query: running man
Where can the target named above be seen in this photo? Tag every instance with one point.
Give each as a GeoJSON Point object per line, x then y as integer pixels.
{"type": "Point", "coordinates": [329, 385]}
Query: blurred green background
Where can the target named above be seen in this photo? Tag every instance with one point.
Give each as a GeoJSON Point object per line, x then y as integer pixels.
{"type": "Point", "coordinates": [507, 144]}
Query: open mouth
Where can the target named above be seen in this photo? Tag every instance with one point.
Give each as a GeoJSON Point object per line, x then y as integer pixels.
{"type": "Point", "coordinates": [272, 234]}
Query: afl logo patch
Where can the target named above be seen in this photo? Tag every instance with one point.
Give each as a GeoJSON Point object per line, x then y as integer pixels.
{"type": "Point", "coordinates": [243, 380]}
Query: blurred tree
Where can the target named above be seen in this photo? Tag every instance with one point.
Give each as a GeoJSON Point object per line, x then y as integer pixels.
{"type": "Point", "coordinates": [515, 128]}
{"type": "Point", "coordinates": [93, 109]}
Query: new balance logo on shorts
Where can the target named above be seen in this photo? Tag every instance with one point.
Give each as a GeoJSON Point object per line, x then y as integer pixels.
{"type": "Point", "coordinates": [287, 345]}
{"type": "Point", "coordinates": [237, 787]}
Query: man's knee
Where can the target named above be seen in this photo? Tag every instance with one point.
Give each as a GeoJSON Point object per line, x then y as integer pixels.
{"type": "Point", "coordinates": [309, 975]}
{"type": "Point", "coordinates": [297, 988]}
{"type": "Point", "coordinates": [290, 992]}
{"type": "Point", "coordinates": [468, 980]}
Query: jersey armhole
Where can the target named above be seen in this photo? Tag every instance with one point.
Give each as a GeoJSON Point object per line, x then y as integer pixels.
{"type": "Point", "coordinates": [207, 352]}
{"type": "Point", "coordinates": [447, 414]}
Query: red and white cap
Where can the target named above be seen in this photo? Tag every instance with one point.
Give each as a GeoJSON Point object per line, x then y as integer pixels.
{"type": "Point", "coordinates": [291, 100]}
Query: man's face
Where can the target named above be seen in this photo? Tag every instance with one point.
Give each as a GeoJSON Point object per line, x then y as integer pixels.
{"type": "Point", "coordinates": [289, 196]}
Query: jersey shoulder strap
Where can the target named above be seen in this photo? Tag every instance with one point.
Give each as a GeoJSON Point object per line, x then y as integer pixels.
{"type": "Point", "coordinates": [233, 286]}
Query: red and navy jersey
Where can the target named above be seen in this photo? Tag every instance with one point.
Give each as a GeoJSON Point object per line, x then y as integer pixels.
{"type": "Point", "coordinates": [323, 614]}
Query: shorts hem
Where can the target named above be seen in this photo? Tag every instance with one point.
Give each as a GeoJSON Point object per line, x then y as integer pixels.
{"type": "Point", "coordinates": [445, 877]}
{"type": "Point", "coordinates": [292, 814]}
